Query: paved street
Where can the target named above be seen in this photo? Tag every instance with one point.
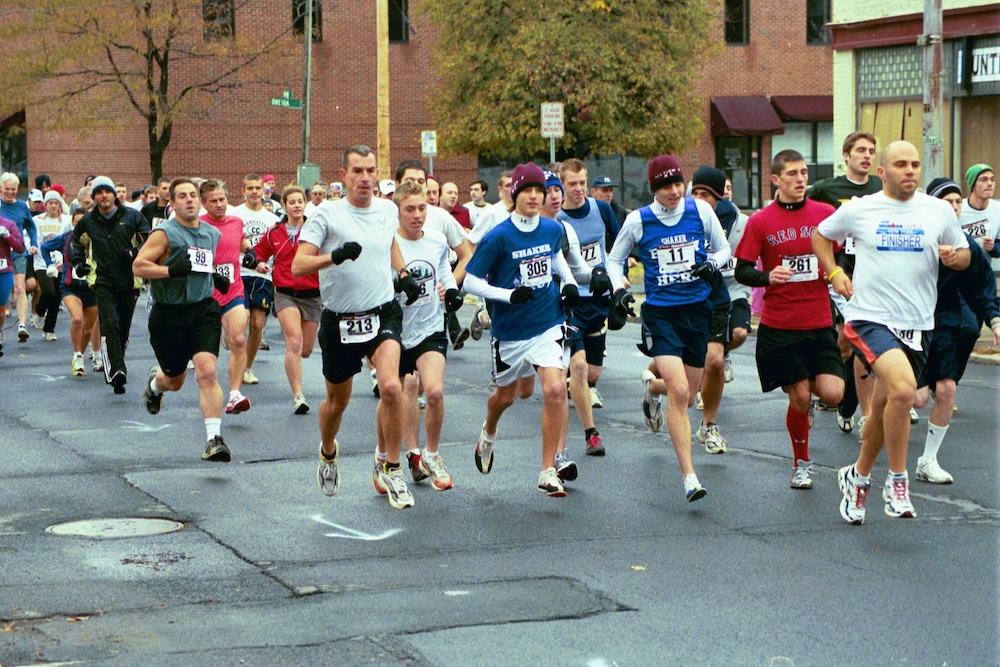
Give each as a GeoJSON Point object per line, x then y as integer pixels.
{"type": "Point", "coordinates": [623, 571]}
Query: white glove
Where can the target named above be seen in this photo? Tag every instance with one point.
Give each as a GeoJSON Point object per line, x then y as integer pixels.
{"type": "Point", "coordinates": [4, 232]}
{"type": "Point", "coordinates": [52, 271]}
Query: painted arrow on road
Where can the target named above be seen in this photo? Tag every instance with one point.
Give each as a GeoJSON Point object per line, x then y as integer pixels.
{"type": "Point", "coordinates": [142, 428]}
{"type": "Point", "coordinates": [350, 533]}
{"type": "Point", "coordinates": [49, 378]}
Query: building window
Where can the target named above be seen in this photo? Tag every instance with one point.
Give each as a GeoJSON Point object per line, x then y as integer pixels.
{"type": "Point", "coordinates": [814, 141]}
{"type": "Point", "coordinates": [399, 21]}
{"type": "Point", "coordinates": [817, 16]}
{"type": "Point", "coordinates": [737, 21]}
{"type": "Point", "coordinates": [218, 20]}
{"type": "Point", "coordinates": [739, 158]}
{"type": "Point", "coordinates": [299, 19]}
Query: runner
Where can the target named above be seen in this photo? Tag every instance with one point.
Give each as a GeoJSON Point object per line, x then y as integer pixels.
{"type": "Point", "coordinates": [899, 236]}
{"type": "Point", "coordinates": [296, 299]}
{"type": "Point", "coordinates": [796, 341]}
{"type": "Point", "coordinates": [11, 243]}
{"type": "Point", "coordinates": [351, 243]}
{"type": "Point", "coordinates": [18, 212]}
{"type": "Point", "coordinates": [681, 245]}
{"type": "Point", "coordinates": [79, 299]}
{"type": "Point", "coordinates": [514, 265]}
{"type": "Point", "coordinates": [185, 323]}
{"type": "Point", "coordinates": [53, 223]}
{"type": "Point", "coordinates": [980, 214]}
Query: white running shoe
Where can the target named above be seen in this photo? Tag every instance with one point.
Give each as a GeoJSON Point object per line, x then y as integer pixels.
{"type": "Point", "coordinates": [928, 470]}
{"type": "Point", "coordinates": [237, 403]}
{"type": "Point", "coordinates": [96, 362]}
{"type": "Point", "coordinates": [595, 398]}
{"type": "Point", "coordinates": [249, 377]}
{"type": "Point", "coordinates": [435, 469]}
{"type": "Point", "coordinates": [914, 417]}
{"type": "Point", "coordinates": [855, 491]}
{"type": "Point", "coordinates": [861, 427]}
{"type": "Point", "coordinates": [693, 489]}
{"type": "Point", "coordinates": [846, 425]}
{"type": "Point", "coordinates": [395, 486]}
{"type": "Point", "coordinates": [708, 435]}
{"type": "Point", "coordinates": [49, 336]}
{"type": "Point", "coordinates": [301, 407]}
{"type": "Point", "coordinates": [77, 365]}
{"type": "Point", "coordinates": [652, 406]}
{"type": "Point", "coordinates": [727, 369]}
{"type": "Point", "coordinates": [484, 451]}
{"type": "Point", "coordinates": [896, 494]}
{"type": "Point", "coordinates": [802, 475]}
{"type": "Point", "coordinates": [698, 403]}
{"type": "Point", "coordinates": [548, 482]}
{"type": "Point", "coordinates": [328, 473]}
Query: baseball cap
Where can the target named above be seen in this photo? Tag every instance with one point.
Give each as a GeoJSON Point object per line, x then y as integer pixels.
{"type": "Point", "coordinates": [603, 182]}
{"type": "Point", "coordinates": [387, 186]}
{"type": "Point", "coordinates": [35, 195]}
{"type": "Point", "coordinates": [269, 178]}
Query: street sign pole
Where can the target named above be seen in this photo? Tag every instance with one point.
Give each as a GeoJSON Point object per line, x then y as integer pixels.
{"type": "Point", "coordinates": [552, 149]}
{"type": "Point", "coordinates": [428, 147]}
{"type": "Point", "coordinates": [306, 95]}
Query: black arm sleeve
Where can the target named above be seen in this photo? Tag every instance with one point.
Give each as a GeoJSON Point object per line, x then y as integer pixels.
{"type": "Point", "coordinates": [977, 284]}
{"type": "Point", "coordinates": [747, 274]}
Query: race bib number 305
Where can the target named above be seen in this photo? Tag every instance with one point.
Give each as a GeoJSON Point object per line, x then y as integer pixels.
{"type": "Point", "coordinates": [358, 328]}
{"type": "Point", "coordinates": [201, 260]}
{"type": "Point", "coordinates": [536, 271]}
{"type": "Point", "coordinates": [804, 268]}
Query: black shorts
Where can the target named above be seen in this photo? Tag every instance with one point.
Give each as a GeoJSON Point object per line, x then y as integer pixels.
{"type": "Point", "coordinates": [341, 360]}
{"type": "Point", "coordinates": [786, 356]}
{"type": "Point", "coordinates": [948, 355]}
{"type": "Point", "coordinates": [589, 316]}
{"type": "Point", "coordinates": [84, 294]}
{"type": "Point", "coordinates": [436, 342]}
{"type": "Point", "coordinates": [739, 316]}
{"type": "Point", "coordinates": [178, 332]}
{"type": "Point", "coordinates": [677, 331]}
{"type": "Point", "coordinates": [720, 324]}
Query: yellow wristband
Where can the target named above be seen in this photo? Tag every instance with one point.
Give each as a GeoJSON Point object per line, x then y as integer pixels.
{"type": "Point", "coordinates": [837, 270]}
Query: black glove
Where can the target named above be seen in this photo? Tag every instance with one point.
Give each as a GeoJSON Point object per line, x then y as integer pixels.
{"type": "Point", "coordinates": [221, 282]}
{"type": "Point", "coordinates": [452, 300]}
{"type": "Point", "coordinates": [348, 251]}
{"type": "Point", "coordinates": [599, 281]}
{"type": "Point", "coordinates": [570, 295]}
{"type": "Point", "coordinates": [623, 301]}
{"type": "Point", "coordinates": [706, 270]}
{"type": "Point", "coordinates": [249, 259]}
{"type": "Point", "coordinates": [407, 283]}
{"type": "Point", "coordinates": [522, 294]}
{"type": "Point", "coordinates": [81, 271]}
{"type": "Point", "coordinates": [180, 267]}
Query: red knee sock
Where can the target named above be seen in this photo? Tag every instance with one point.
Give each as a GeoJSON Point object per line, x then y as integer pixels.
{"type": "Point", "coordinates": [798, 429]}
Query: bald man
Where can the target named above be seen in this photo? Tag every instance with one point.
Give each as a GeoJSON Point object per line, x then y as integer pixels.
{"type": "Point", "coordinates": [899, 235]}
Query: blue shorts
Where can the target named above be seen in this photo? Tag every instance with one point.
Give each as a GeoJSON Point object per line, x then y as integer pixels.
{"type": "Point", "coordinates": [84, 294]}
{"type": "Point", "coordinates": [677, 331]}
{"type": "Point", "coordinates": [238, 301]}
{"type": "Point", "coordinates": [589, 316]}
{"type": "Point", "coordinates": [20, 264]}
{"type": "Point", "coordinates": [871, 341]}
{"type": "Point", "coordinates": [948, 355]}
{"type": "Point", "coordinates": [258, 293]}
{"type": "Point", "coordinates": [6, 285]}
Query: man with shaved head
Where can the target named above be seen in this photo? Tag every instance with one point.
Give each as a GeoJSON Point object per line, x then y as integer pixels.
{"type": "Point", "coordinates": [899, 236]}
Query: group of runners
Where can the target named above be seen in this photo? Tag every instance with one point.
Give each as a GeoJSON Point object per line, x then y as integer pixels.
{"type": "Point", "coordinates": [863, 277]}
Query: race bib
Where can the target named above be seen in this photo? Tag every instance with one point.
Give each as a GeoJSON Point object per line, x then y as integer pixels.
{"type": "Point", "coordinates": [804, 268]}
{"type": "Point", "coordinates": [227, 270]}
{"type": "Point", "coordinates": [849, 245]}
{"type": "Point", "coordinates": [536, 271]}
{"type": "Point", "coordinates": [427, 290]}
{"type": "Point", "coordinates": [976, 230]}
{"type": "Point", "coordinates": [908, 337]}
{"type": "Point", "coordinates": [3, 263]}
{"type": "Point", "coordinates": [201, 260]}
{"type": "Point", "coordinates": [591, 253]}
{"type": "Point", "coordinates": [676, 258]}
{"type": "Point", "coordinates": [729, 270]}
{"type": "Point", "coordinates": [358, 328]}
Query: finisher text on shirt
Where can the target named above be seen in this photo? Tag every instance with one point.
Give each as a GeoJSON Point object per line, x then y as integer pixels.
{"type": "Point", "coordinates": [899, 239]}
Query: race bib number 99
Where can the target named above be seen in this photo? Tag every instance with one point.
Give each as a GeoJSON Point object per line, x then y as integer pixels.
{"type": "Point", "coordinates": [536, 271]}
{"type": "Point", "coordinates": [358, 328]}
{"type": "Point", "coordinates": [201, 260]}
{"type": "Point", "coordinates": [804, 268]}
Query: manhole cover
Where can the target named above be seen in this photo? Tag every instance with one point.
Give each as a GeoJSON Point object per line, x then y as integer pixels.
{"type": "Point", "coordinates": [112, 528]}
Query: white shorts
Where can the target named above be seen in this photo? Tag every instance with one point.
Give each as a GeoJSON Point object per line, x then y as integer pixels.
{"type": "Point", "coordinates": [516, 359]}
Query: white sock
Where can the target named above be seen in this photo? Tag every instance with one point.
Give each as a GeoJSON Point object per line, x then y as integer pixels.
{"type": "Point", "coordinates": [430, 455]}
{"type": "Point", "coordinates": [935, 436]}
{"type": "Point", "coordinates": [155, 389]}
{"type": "Point", "coordinates": [213, 427]}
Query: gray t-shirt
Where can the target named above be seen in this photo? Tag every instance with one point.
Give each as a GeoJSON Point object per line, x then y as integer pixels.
{"type": "Point", "coordinates": [365, 283]}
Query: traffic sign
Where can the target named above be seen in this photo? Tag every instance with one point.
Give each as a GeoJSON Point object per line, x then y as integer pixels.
{"type": "Point", "coordinates": [429, 142]}
{"type": "Point", "coordinates": [552, 120]}
{"type": "Point", "coordinates": [286, 101]}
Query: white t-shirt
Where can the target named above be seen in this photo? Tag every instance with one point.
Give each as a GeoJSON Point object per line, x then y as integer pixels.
{"type": "Point", "coordinates": [255, 223]}
{"type": "Point", "coordinates": [427, 261]}
{"type": "Point", "coordinates": [488, 219]}
{"type": "Point", "coordinates": [475, 211]}
{"type": "Point", "coordinates": [445, 223]}
{"type": "Point", "coordinates": [47, 229]}
{"type": "Point", "coordinates": [980, 224]}
{"type": "Point", "coordinates": [366, 282]}
{"type": "Point", "coordinates": [896, 256]}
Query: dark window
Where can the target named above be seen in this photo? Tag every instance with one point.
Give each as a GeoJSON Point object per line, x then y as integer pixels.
{"type": "Point", "coordinates": [817, 16]}
{"type": "Point", "coordinates": [737, 19]}
{"type": "Point", "coordinates": [218, 20]}
{"type": "Point", "coordinates": [739, 157]}
{"type": "Point", "coordinates": [299, 18]}
{"type": "Point", "coordinates": [399, 21]}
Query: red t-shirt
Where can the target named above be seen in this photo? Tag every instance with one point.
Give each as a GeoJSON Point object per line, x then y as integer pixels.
{"type": "Point", "coordinates": [228, 255]}
{"type": "Point", "coordinates": [777, 235]}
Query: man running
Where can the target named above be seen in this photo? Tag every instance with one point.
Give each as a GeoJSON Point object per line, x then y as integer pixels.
{"type": "Point", "coordinates": [980, 214]}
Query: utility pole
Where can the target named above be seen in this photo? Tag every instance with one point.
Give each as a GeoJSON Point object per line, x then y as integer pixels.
{"type": "Point", "coordinates": [933, 125]}
{"type": "Point", "coordinates": [382, 115]}
{"type": "Point", "coordinates": [307, 95]}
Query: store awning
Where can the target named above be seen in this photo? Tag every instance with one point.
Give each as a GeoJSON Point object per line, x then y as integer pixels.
{"type": "Point", "coordinates": [804, 108]}
{"type": "Point", "coordinates": [745, 116]}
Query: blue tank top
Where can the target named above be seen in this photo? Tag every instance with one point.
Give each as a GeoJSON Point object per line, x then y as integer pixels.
{"type": "Point", "coordinates": [669, 253]}
{"type": "Point", "coordinates": [591, 231]}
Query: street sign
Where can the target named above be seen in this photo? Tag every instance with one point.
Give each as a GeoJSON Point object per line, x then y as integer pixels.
{"type": "Point", "coordinates": [552, 120]}
{"type": "Point", "coordinates": [286, 101]}
{"type": "Point", "coordinates": [429, 142]}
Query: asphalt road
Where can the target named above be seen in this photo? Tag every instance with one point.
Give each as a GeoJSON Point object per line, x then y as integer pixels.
{"type": "Point", "coordinates": [623, 571]}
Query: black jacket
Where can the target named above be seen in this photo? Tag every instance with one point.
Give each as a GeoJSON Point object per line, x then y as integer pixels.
{"type": "Point", "coordinates": [113, 244]}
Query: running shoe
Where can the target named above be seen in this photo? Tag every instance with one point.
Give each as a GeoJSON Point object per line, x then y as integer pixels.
{"type": "Point", "coordinates": [802, 475]}
{"type": "Point", "coordinates": [398, 494]}
{"type": "Point", "coordinates": [914, 417]}
{"type": "Point", "coordinates": [264, 345]}
{"type": "Point", "coordinates": [375, 384]}
{"type": "Point", "coordinates": [824, 406]}
{"type": "Point", "coordinates": [416, 471]}
{"type": "Point", "coordinates": [484, 451]}
{"type": "Point", "coordinates": [727, 369]}
{"type": "Point", "coordinates": [565, 469]}
{"type": "Point", "coordinates": [377, 476]}
{"type": "Point", "coordinates": [328, 473]}
{"type": "Point", "coordinates": [118, 381]}
{"type": "Point", "coordinates": [460, 339]}
{"type": "Point", "coordinates": [49, 336]}
{"type": "Point", "coordinates": [237, 403]}
{"type": "Point", "coordinates": [226, 345]}
{"type": "Point", "coordinates": [693, 489]}
{"type": "Point", "coordinates": [217, 451]}
{"type": "Point", "coordinates": [476, 325]}
{"type": "Point", "coordinates": [422, 402]}
{"type": "Point", "coordinates": [35, 321]}
{"type": "Point", "coordinates": [855, 491]}
{"type": "Point", "coordinates": [548, 482]}
{"type": "Point", "coordinates": [699, 404]}
{"type": "Point", "coordinates": [300, 405]}
{"type": "Point", "coordinates": [249, 377]}
{"type": "Point", "coordinates": [846, 424]}
{"type": "Point", "coordinates": [708, 435]}
{"type": "Point", "coordinates": [433, 466]}
{"type": "Point", "coordinates": [652, 406]}
{"type": "Point", "coordinates": [77, 366]}
{"type": "Point", "coordinates": [861, 427]}
{"type": "Point", "coordinates": [594, 446]}
{"type": "Point", "coordinates": [928, 470]}
{"type": "Point", "coordinates": [151, 399]}
{"type": "Point", "coordinates": [595, 398]}
{"type": "Point", "coordinates": [22, 334]}
{"type": "Point", "coordinates": [96, 362]}
{"type": "Point", "coordinates": [896, 494]}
